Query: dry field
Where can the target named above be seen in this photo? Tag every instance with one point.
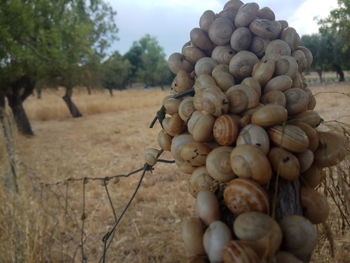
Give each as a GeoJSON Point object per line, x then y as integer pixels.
{"type": "Point", "coordinates": [45, 226]}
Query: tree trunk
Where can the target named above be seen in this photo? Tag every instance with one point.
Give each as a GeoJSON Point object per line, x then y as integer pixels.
{"type": "Point", "coordinates": [319, 72]}
{"type": "Point", "coordinates": [88, 90]}
{"type": "Point", "coordinates": [38, 93]}
{"type": "Point", "coordinates": [340, 72]}
{"type": "Point", "coordinates": [73, 109]}
{"type": "Point", "coordinates": [111, 92]}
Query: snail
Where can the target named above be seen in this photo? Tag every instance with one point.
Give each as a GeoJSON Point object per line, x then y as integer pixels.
{"type": "Point", "coordinates": [241, 64]}
{"type": "Point", "coordinates": [306, 159]}
{"type": "Point", "coordinates": [274, 97]}
{"type": "Point", "coordinates": [201, 181]}
{"type": "Point", "coordinates": [164, 140]}
{"type": "Point", "coordinates": [254, 135]}
{"type": "Point", "coordinates": [212, 101]}
{"type": "Point", "coordinates": [206, 19]}
{"type": "Point", "coordinates": [284, 164]}
{"type": "Point", "coordinates": [266, 13]}
{"type": "Point", "coordinates": [218, 164]}
{"type": "Point", "coordinates": [177, 62]}
{"type": "Point", "coordinates": [220, 31]}
{"type": "Point", "coordinates": [204, 65]}
{"type": "Point", "coordinates": [177, 144]}
{"type": "Point", "coordinates": [238, 251]}
{"type": "Point", "coordinates": [276, 49]}
{"type": "Point", "coordinates": [309, 117]}
{"type": "Point", "coordinates": [246, 14]}
{"type": "Point", "coordinates": [192, 53]}
{"type": "Point", "coordinates": [312, 177]}
{"type": "Point", "coordinates": [282, 83]}
{"type": "Point", "coordinates": [186, 108]}
{"type": "Point", "coordinates": [241, 97]}
{"type": "Point", "coordinates": [291, 37]}
{"type": "Point", "coordinates": [241, 39]}
{"type": "Point", "coordinates": [182, 81]}
{"type": "Point", "coordinates": [258, 46]}
{"type": "Point", "coordinates": [207, 207]}
{"type": "Point", "coordinates": [151, 156]}
{"type": "Point", "coordinates": [200, 125]}
{"type": "Point", "coordinates": [223, 54]}
{"type": "Point", "coordinates": [173, 125]}
{"type": "Point", "coordinates": [223, 77]}
{"type": "Point", "coordinates": [265, 28]}
{"type": "Point", "coordinates": [269, 115]}
{"type": "Point", "coordinates": [297, 101]}
{"type": "Point", "coordinates": [301, 60]}
{"type": "Point", "coordinates": [171, 105]}
{"type": "Point", "coordinates": [315, 205]}
{"type": "Point", "coordinates": [311, 133]}
{"type": "Point", "coordinates": [194, 153]}
{"type": "Point", "coordinates": [225, 130]}
{"type": "Point", "coordinates": [200, 39]}
{"type": "Point", "coordinates": [252, 83]}
{"type": "Point", "coordinates": [263, 71]}
{"type": "Point", "coordinates": [192, 235]}
{"type": "Point", "coordinates": [286, 65]}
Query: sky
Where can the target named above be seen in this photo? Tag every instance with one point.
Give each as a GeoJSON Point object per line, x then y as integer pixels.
{"type": "Point", "coordinates": [171, 21]}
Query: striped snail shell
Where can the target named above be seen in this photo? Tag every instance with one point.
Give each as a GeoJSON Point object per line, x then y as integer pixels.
{"type": "Point", "coordinates": [218, 164]}
{"type": "Point", "coordinates": [312, 177]}
{"type": "Point", "coordinates": [247, 161]}
{"type": "Point", "coordinates": [315, 205]}
{"type": "Point", "coordinates": [311, 133]}
{"type": "Point", "coordinates": [244, 195]}
{"type": "Point", "coordinates": [237, 251]}
{"type": "Point", "coordinates": [207, 207]}
{"type": "Point", "coordinates": [284, 163]}
{"type": "Point", "coordinates": [201, 181]}
{"type": "Point", "coordinates": [192, 235]}
{"type": "Point", "coordinates": [225, 130]}
{"type": "Point", "coordinates": [274, 97]}
{"type": "Point", "coordinates": [195, 153]}
{"type": "Point", "coordinates": [270, 114]}
{"type": "Point", "coordinates": [254, 135]}
{"type": "Point", "coordinates": [309, 117]}
{"type": "Point", "coordinates": [290, 137]}
{"type": "Point", "coordinates": [164, 140]}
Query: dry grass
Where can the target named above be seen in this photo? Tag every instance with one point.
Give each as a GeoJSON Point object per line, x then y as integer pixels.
{"type": "Point", "coordinates": [103, 145]}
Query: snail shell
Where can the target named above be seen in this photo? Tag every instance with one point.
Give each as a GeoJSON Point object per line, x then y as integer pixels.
{"type": "Point", "coordinates": [186, 108]}
{"type": "Point", "coordinates": [204, 82]}
{"type": "Point", "coordinates": [206, 19]}
{"type": "Point", "coordinates": [241, 39]}
{"type": "Point", "coordinates": [284, 164]}
{"type": "Point", "coordinates": [309, 117]}
{"type": "Point", "coordinates": [241, 97]}
{"type": "Point", "coordinates": [262, 230]}
{"type": "Point", "coordinates": [192, 235]}
{"type": "Point", "coordinates": [200, 39]}
{"type": "Point", "coordinates": [218, 164]}
{"type": "Point", "coordinates": [311, 133]}
{"type": "Point", "coordinates": [225, 130]}
{"type": "Point", "coordinates": [277, 48]}
{"type": "Point", "coordinates": [331, 150]}
{"type": "Point", "coordinates": [185, 167]}
{"type": "Point", "coordinates": [282, 83]}
{"type": "Point", "coordinates": [247, 161]}
{"type": "Point", "coordinates": [223, 54]}
{"type": "Point", "coordinates": [315, 205]}
{"type": "Point", "coordinates": [286, 257]}
{"type": "Point", "coordinates": [269, 115]}
{"type": "Point", "coordinates": [214, 240]}
{"type": "Point", "coordinates": [286, 65]}
{"type": "Point", "coordinates": [241, 64]}
{"type": "Point", "coordinates": [291, 37]}
{"type": "Point", "coordinates": [177, 62]}
{"type": "Point", "coordinates": [193, 54]}
{"type": "Point", "coordinates": [283, 23]}
{"type": "Point", "coordinates": [223, 77]}
{"type": "Point", "coordinates": [212, 101]}
{"type": "Point", "coordinates": [207, 207]}
{"type": "Point", "coordinates": [265, 28]}
{"type": "Point", "coordinates": [266, 13]}
{"type": "Point", "coordinates": [195, 153]}
{"type": "Point", "coordinates": [171, 105]}
{"type": "Point", "coordinates": [254, 135]}
{"type": "Point", "coordinates": [244, 195]}
{"type": "Point", "coordinates": [312, 177]}
{"type": "Point", "coordinates": [173, 125]}
{"type": "Point", "coordinates": [290, 137]}
{"type": "Point", "coordinates": [233, 5]}
{"type": "Point", "coordinates": [297, 101]}
{"type": "Point", "coordinates": [164, 140]}
{"type": "Point", "coordinates": [305, 159]}
{"type": "Point", "coordinates": [308, 56]}
{"type": "Point", "coordinates": [200, 125]}
{"type": "Point", "coordinates": [298, 81]}
{"type": "Point", "coordinates": [274, 97]}
{"type": "Point", "coordinates": [299, 236]}
{"type": "Point", "coordinates": [201, 181]}
{"type": "Point", "coordinates": [220, 31]}
{"type": "Point", "coordinates": [263, 71]}
{"type": "Point", "coordinates": [182, 81]}
{"type": "Point", "coordinates": [204, 65]}
{"type": "Point", "coordinates": [246, 14]}
{"type": "Point", "coordinates": [253, 83]}
{"type": "Point", "coordinates": [177, 143]}
{"type": "Point", "coordinates": [258, 46]}
{"type": "Point", "coordinates": [238, 251]}
{"type": "Point", "coordinates": [301, 60]}
{"type": "Point", "coordinates": [151, 156]}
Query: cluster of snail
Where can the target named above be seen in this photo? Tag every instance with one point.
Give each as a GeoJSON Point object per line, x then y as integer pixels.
{"type": "Point", "coordinates": [250, 124]}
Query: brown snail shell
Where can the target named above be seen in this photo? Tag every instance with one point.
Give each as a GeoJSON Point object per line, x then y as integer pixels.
{"type": "Point", "coordinates": [223, 77]}
{"type": "Point", "coordinates": [261, 231]}
{"type": "Point", "coordinates": [193, 54]}
{"type": "Point", "coordinates": [306, 159]}
{"type": "Point", "coordinates": [206, 20]}
{"type": "Point", "coordinates": [301, 60]}
{"type": "Point", "coordinates": [312, 102]}
{"type": "Point", "coordinates": [177, 62]}
{"type": "Point", "coordinates": [233, 5]}
{"type": "Point", "coordinates": [247, 115]}
{"type": "Point", "coordinates": [312, 177]}
{"type": "Point", "coordinates": [265, 28]}
{"type": "Point", "coordinates": [311, 133]}
{"type": "Point", "coordinates": [244, 195]}
{"type": "Point", "coordinates": [177, 144]}
{"type": "Point", "coordinates": [173, 125]}
{"type": "Point", "coordinates": [274, 97]}
{"type": "Point", "coordinates": [254, 135]}
{"type": "Point", "coordinates": [309, 117]}
{"type": "Point", "coordinates": [284, 23]}
{"type": "Point", "coordinates": [218, 164]}
{"type": "Point", "coordinates": [212, 101]}
{"type": "Point", "coordinates": [253, 83]}
{"type": "Point", "coordinates": [184, 167]}
{"type": "Point", "coordinates": [182, 81]}
{"type": "Point", "coordinates": [281, 83]}
{"type": "Point", "coordinates": [228, 13]}
{"type": "Point", "coordinates": [200, 39]}
{"type": "Point", "coordinates": [200, 125]}
{"type": "Point", "coordinates": [195, 153]}
{"type": "Point", "coordinates": [207, 207]}
{"type": "Point", "coordinates": [331, 150]}
{"type": "Point", "coordinates": [192, 235]}
{"type": "Point", "coordinates": [171, 105]}
{"type": "Point", "coordinates": [241, 64]}
{"type": "Point", "coordinates": [286, 65]}
{"type": "Point", "coordinates": [186, 108]}
{"type": "Point", "coordinates": [151, 156]}
{"type": "Point", "coordinates": [220, 31]}
{"type": "Point", "coordinates": [298, 81]}
{"type": "Point", "coordinates": [223, 54]}
{"type": "Point", "coordinates": [241, 39]}
{"type": "Point", "coordinates": [290, 36]}
{"type": "Point", "coordinates": [258, 46]}
{"type": "Point", "coordinates": [204, 82]}
{"type": "Point", "coordinates": [284, 164]}
{"type": "Point", "coordinates": [269, 115]}
{"type": "Point", "coordinates": [277, 48]}
{"type": "Point", "coordinates": [263, 71]}
{"type": "Point", "coordinates": [214, 240]}
{"type": "Point", "coordinates": [246, 14]}
{"type": "Point", "coordinates": [308, 55]}
{"type": "Point", "coordinates": [225, 130]}
{"type": "Point", "coordinates": [299, 236]}
{"type": "Point", "coordinates": [247, 161]}
{"type": "Point", "coordinates": [238, 251]}
{"type": "Point", "coordinates": [242, 97]}
{"type": "Point", "coordinates": [315, 205]}
{"type": "Point", "coordinates": [204, 65]}
{"type": "Point", "coordinates": [201, 181]}
{"type": "Point", "coordinates": [290, 137]}
{"type": "Point", "coordinates": [286, 257]}
{"type": "Point", "coordinates": [297, 101]}
{"type": "Point", "coordinates": [164, 140]}
{"type": "Point", "coordinates": [266, 13]}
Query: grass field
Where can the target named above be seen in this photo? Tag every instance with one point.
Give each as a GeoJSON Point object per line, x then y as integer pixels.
{"type": "Point", "coordinates": [109, 140]}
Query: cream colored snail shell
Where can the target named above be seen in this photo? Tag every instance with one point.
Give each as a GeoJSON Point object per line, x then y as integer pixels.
{"type": "Point", "coordinates": [201, 181]}
{"type": "Point", "coordinates": [290, 137]}
{"type": "Point", "coordinates": [238, 251]}
{"type": "Point", "coordinates": [212, 101]}
{"type": "Point", "coordinates": [192, 53]}
{"type": "Point", "coordinates": [263, 71]}
{"type": "Point", "coordinates": [266, 13]}
{"type": "Point", "coordinates": [164, 140]}
{"type": "Point", "coordinates": [286, 65]}
{"type": "Point", "coordinates": [195, 153]}
{"type": "Point", "coordinates": [245, 195]}
{"type": "Point", "coordinates": [315, 205]}
{"type": "Point", "coordinates": [206, 20]}
{"type": "Point", "coordinates": [282, 83]}
{"type": "Point", "coordinates": [241, 39]}
{"type": "Point", "coordinates": [306, 159]}
{"type": "Point", "coordinates": [269, 115]}
{"type": "Point", "coordinates": [265, 28]}
{"type": "Point", "coordinates": [258, 46]}
{"type": "Point", "coordinates": [284, 164]}
{"type": "Point", "coordinates": [311, 133]}
{"type": "Point", "coordinates": [214, 240]}
{"type": "Point", "coordinates": [186, 108]}
{"type": "Point", "coordinates": [274, 97]}
{"type": "Point", "coordinates": [297, 101]}
{"type": "Point", "coordinates": [276, 49]}
{"type": "Point", "coordinates": [312, 177]}
{"type": "Point", "coordinates": [223, 77]}
{"type": "Point", "coordinates": [247, 161]}
{"type": "Point", "coordinates": [192, 235]}
{"type": "Point", "coordinates": [171, 105]}
{"type": "Point", "coordinates": [177, 62]}
{"type": "Point", "coordinates": [200, 125]}
{"type": "Point", "coordinates": [207, 207]}
{"type": "Point", "coordinates": [225, 130]}
{"type": "Point", "coordinates": [151, 156]}
{"type": "Point", "coordinates": [256, 136]}
{"type": "Point", "coordinates": [246, 14]}
{"type": "Point", "coordinates": [309, 117]}
{"type": "Point", "coordinates": [218, 164]}
{"type": "Point", "coordinates": [220, 31]}
{"type": "Point", "coordinates": [253, 83]}
{"type": "Point", "coordinates": [242, 97]}
{"type": "Point", "coordinates": [184, 167]}
{"type": "Point", "coordinates": [182, 81]}
{"type": "Point", "coordinates": [299, 236]}
{"type": "Point", "coordinates": [200, 39]}
{"type": "Point", "coordinates": [177, 144]}
{"type": "Point", "coordinates": [173, 125]}
{"type": "Point", "coordinates": [241, 64]}
{"type": "Point", "coordinates": [204, 65]}
{"type": "Point", "coordinates": [223, 54]}
{"type": "Point", "coordinates": [291, 37]}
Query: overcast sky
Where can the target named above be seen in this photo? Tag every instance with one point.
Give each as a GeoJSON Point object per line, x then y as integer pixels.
{"type": "Point", "coordinates": [171, 21]}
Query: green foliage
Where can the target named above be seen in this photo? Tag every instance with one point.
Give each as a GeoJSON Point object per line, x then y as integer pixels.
{"type": "Point", "coordinates": [116, 71]}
